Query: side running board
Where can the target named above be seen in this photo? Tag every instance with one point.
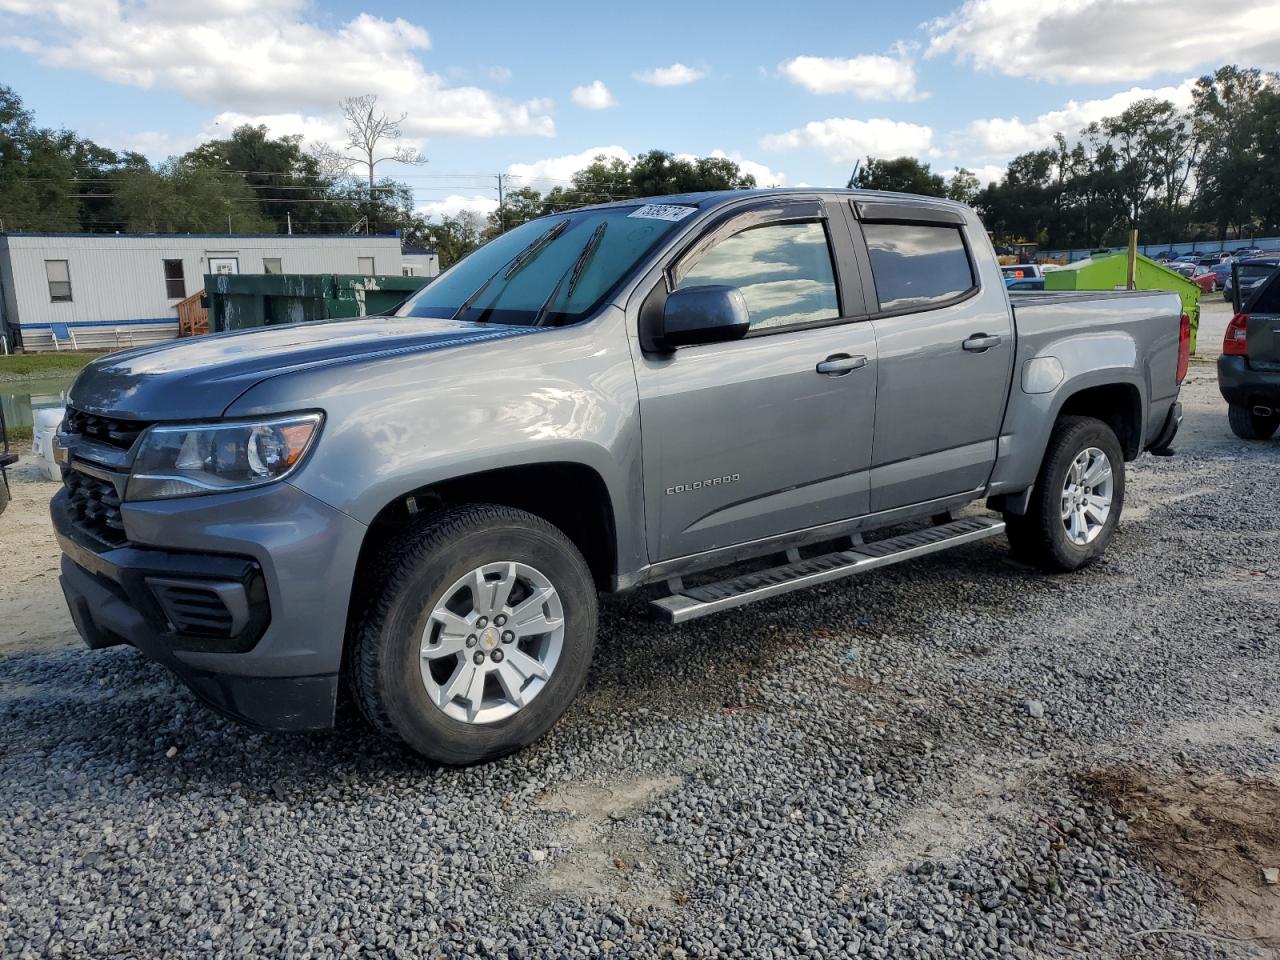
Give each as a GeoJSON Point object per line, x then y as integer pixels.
{"type": "Point", "coordinates": [693, 602]}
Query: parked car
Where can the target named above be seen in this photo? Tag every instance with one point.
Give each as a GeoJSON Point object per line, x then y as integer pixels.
{"type": "Point", "coordinates": [1221, 272]}
{"type": "Point", "coordinates": [1249, 366]}
{"type": "Point", "coordinates": [1027, 283]}
{"type": "Point", "coordinates": [424, 506]}
{"type": "Point", "coordinates": [1183, 267]}
{"type": "Point", "coordinates": [1164, 255]}
{"type": "Point", "coordinates": [1020, 271]}
{"type": "Point", "coordinates": [1249, 273]}
{"type": "Point", "coordinates": [1204, 278]}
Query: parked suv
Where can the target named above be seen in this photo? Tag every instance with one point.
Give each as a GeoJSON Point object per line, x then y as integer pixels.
{"type": "Point", "coordinates": [1249, 366]}
{"type": "Point", "coordinates": [800, 385]}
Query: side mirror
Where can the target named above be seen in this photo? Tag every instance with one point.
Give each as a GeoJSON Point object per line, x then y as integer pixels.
{"type": "Point", "coordinates": [709, 314]}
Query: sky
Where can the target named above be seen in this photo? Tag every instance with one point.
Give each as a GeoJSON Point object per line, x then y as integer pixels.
{"type": "Point", "coordinates": [796, 94]}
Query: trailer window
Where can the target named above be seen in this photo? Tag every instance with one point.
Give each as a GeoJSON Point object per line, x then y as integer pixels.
{"type": "Point", "coordinates": [175, 285]}
{"type": "Point", "coordinates": [364, 265]}
{"type": "Point", "coordinates": [917, 266]}
{"type": "Point", "coordinates": [271, 265]}
{"type": "Point", "coordinates": [59, 276]}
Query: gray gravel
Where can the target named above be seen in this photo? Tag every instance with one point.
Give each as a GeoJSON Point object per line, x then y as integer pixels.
{"type": "Point", "coordinates": [883, 768]}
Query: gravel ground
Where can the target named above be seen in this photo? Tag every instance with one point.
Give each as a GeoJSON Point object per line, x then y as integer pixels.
{"type": "Point", "coordinates": [903, 765]}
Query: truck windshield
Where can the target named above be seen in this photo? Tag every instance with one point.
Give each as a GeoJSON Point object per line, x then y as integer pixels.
{"type": "Point", "coordinates": [551, 271]}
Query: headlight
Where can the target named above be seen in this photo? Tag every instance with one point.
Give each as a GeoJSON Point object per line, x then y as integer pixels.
{"type": "Point", "coordinates": [182, 461]}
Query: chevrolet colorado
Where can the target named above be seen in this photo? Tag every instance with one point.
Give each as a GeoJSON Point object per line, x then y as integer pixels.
{"type": "Point", "coordinates": [422, 508]}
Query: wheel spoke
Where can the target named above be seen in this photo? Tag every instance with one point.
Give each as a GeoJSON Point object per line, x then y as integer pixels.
{"type": "Point", "coordinates": [475, 692]}
{"type": "Point", "coordinates": [529, 619]}
{"type": "Point", "coordinates": [512, 683]}
{"type": "Point", "coordinates": [1098, 472]}
{"type": "Point", "coordinates": [524, 665]}
{"type": "Point", "coordinates": [446, 645]}
{"type": "Point", "coordinates": [452, 624]}
{"type": "Point", "coordinates": [1096, 507]}
{"type": "Point", "coordinates": [502, 589]}
{"type": "Point", "coordinates": [460, 681]}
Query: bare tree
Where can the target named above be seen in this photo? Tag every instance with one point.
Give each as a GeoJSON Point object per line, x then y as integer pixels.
{"type": "Point", "coordinates": [371, 140]}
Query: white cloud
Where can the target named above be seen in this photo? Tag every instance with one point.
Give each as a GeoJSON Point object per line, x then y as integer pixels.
{"type": "Point", "coordinates": [262, 57]}
{"type": "Point", "coordinates": [844, 140]}
{"type": "Point", "coordinates": [500, 74]}
{"type": "Point", "coordinates": [1001, 136]}
{"type": "Point", "coordinates": [594, 96]}
{"type": "Point", "coordinates": [456, 203]}
{"type": "Point", "coordinates": [557, 171]}
{"type": "Point", "coordinates": [868, 77]}
{"type": "Point", "coordinates": [676, 75]}
{"type": "Point", "coordinates": [1106, 41]}
{"type": "Point", "coordinates": [986, 173]}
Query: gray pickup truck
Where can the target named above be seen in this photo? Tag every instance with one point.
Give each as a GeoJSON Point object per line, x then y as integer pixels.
{"type": "Point", "coordinates": [725, 396]}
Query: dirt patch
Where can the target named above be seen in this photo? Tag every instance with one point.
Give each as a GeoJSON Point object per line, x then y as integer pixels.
{"type": "Point", "coordinates": [977, 807]}
{"type": "Point", "coordinates": [602, 856]}
{"type": "Point", "coordinates": [1215, 836]}
{"type": "Point", "coordinates": [33, 613]}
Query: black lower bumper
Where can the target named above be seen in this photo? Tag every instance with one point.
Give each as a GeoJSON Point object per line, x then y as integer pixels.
{"type": "Point", "coordinates": [105, 616]}
{"type": "Point", "coordinates": [1244, 386]}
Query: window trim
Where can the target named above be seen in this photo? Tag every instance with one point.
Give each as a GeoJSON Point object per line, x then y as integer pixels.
{"type": "Point", "coordinates": [180, 278]}
{"type": "Point", "coordinates": [961, 297]}
{"type": "Point", "coordinates": [733, 222]}
{"type": "Point", "coordinates": [49, 282]}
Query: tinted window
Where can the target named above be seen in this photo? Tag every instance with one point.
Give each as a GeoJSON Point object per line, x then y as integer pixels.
{"type": "Point", "coordinates": [917, 265]}
{"type": "Point", "coordinates": [528, 271]}
{"type": "Point", "coordinates": [783, 270]}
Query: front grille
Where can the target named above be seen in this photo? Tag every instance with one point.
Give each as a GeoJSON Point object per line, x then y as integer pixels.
{"type": "Point", "coordinates": [109, 430]}
{"type": "Point", "coordinates": [94, 506]}
{"type": "Point", "coordinates": [194, 610]}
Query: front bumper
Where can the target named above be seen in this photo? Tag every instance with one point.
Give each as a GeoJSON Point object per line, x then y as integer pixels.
{"type": "Point", "coordinates": [1245, 386]}
{"type": "Point", "coordinates": [295, 558]}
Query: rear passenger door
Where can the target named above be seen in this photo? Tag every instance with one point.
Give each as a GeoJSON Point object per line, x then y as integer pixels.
{"type": "Point", "coordinates": [945, 351]}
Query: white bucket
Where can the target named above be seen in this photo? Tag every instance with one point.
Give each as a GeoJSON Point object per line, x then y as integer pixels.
{"type": "Point", "coordinates": [45, 423]}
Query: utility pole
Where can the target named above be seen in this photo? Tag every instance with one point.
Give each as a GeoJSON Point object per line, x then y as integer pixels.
{"type": "Point", "coordinates": [502, 210]}
{"type": "Point", "coordinates": [288, 214]}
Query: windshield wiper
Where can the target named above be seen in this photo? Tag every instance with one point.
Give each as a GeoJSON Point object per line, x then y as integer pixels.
{"type": "Point", "coordinates": [514, 265]}
{"type": "Point", "coordinates": [574, 273]}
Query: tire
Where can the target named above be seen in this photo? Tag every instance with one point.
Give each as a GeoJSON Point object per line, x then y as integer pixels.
{"type": "Point", "coordinates": [4, 494]}
{"type": "Point", "coordinates": [390, 665]}
{"type": "Point", "coordinates": [1247, 425]}
{"type": "Point", "coordinates": [1041, 536]}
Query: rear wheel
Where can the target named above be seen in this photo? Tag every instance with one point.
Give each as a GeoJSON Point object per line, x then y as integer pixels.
{"type": "Point", "coordinates": [4, 494]}
{"type": "Point", "coordinates": [1248, 425]}
{"type": "Point", "coordinates": [1076, 502]}
{"type": "Point", "coordinates": [480, 635]}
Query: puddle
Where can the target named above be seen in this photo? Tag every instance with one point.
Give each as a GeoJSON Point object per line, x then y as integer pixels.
{"type": "Point", "coordinates": [19, 398]}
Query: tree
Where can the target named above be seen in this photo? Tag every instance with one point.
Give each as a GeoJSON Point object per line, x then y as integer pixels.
{"type": "Point", "coordinates": [180, 197]}
{"type": "Point", "coordinates": [963, 186]}
{"type": "Point", "coordinates": [372, 136]}
{"type": "Point", "coordinates": [902, 174]}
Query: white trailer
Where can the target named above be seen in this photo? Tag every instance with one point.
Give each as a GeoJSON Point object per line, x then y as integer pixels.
{"type": "Point", "coordinates": [108, 291]}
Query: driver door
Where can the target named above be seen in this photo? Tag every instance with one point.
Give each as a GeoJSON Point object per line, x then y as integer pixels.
{"type": "Point", "coordinates": [770, 433]}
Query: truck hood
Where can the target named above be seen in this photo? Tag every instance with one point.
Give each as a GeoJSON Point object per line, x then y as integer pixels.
{"type": "Point", "coordinates": [199, 378]}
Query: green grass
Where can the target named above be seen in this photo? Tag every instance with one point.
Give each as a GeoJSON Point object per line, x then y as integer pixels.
{"type": "Point", "coordinates": [19, 436]}
{"type": "Point", "coordinates": [33, 366]}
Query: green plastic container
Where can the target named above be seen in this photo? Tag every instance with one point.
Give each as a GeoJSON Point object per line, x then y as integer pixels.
{"type": "Point", "coordinates": [244, 300]}
{"type": "Point", "coordinates": [1111, 273]}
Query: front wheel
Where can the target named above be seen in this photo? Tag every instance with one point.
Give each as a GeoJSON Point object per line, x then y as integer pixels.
{"type": "Point", "coordinates": [1076, 502]}
{"type": "Point", "coordinates": [479, 636]}
{"type": "Point", "coordinates": [1248, 425]}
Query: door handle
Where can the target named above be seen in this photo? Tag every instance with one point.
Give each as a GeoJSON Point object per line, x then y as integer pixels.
{"type": "Point", "coordinates": [839, 364]}
{"type": "Point", "coordinates": [981, 342]}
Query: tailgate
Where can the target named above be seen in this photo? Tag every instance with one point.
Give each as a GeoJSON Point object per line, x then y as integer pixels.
{"type": "Point", "coordinates": [1263, 331]}
{"type": "Point", "coordinates": [1264, 341]}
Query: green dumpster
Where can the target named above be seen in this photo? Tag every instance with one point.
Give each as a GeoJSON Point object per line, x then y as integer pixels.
{"type": "Point", "coordinates": [240, 301]}
{"type": "Point", "coordinates": [1110, 272]}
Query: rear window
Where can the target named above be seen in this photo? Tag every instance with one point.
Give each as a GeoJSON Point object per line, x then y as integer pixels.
{"type": "Point", "coordinates": [917, 266]}
{"type": "Point", "coordinates": [1249, 272]}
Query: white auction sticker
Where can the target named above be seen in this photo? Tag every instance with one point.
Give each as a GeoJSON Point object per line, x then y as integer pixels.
{"type": "Point", "coordinates": [662, 211]}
